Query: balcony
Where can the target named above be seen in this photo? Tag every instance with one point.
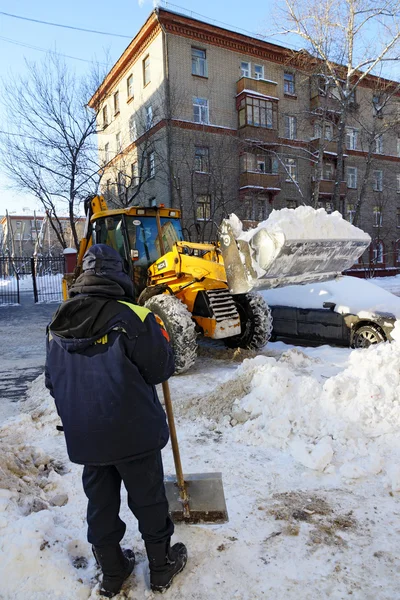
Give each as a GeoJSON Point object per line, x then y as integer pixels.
{"type": "Point", "coordinates": [326, 187]}
{"type": "Point", "coordinates": [261, 135]}
{"type": "Point", "coordinates": [329, 103]}
{"type": "Point", "coordinates": [328, 145]}
{"type": "Point", "coordinates": [262, 181]}
{"type": "Point", "coordinates": [260, 86]}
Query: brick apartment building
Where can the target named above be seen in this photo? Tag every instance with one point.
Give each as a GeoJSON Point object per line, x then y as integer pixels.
{"type": "Point", "coordinates": [23, 235]}
{"type": "Point", "coordinates": [212, 121]}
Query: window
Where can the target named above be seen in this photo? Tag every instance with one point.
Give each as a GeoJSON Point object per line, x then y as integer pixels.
{"type": "Point", "coordinates": [132, 128]}
{"type": "Point", "coordinates": [35, 228]}
{"type": "Point", "coordinates": [377, 252]}
{"type": "Point", "coordinates": [245, 68]}
{"type": "Point", "coordinates": [108, 188]}
{"type": "Point", "coordinates": [200, 110]}
{"type": "Point", "coordinates": [152, 202]}
{"type": "Point", "coordinates": [134, 174]}
{"type": "Point", "coordinates": [121, 184]}
{"type": "Point", "coordinates": [151, 169]}
{"type": "Point", "coordinates": [398, 183]}
{"type": "Point", "coordinates": [203, 207]}
{"type": "Point", "coordinates": [291, 204]}
{"type": "Point", "coordinates": [18, 228]}
{"type": "Point", "coordinates": [376, 102]}
{"type": "Point", "coordinates": [328, 207]}
{"type": "Point", "coordinates": [328, 130]}
{"type": "Point", "coordinates": [352, 177]}
{"type": "Point", "coordinates": [398, 146]}
{"type": "Point", "coordinates": [398, 218]}
{"type": "Point", "coordinates": [351, 212]}
{"type": "Point", "coordinates": [149, 117]}
{"type": "Point", "coordinates": [291, 169]}
{"type": "Point", "coordinates": [261, 164]}
{"type": "Point", "coordinates": [201, 157]}
{"type": "Point", "coordinates": [379, 144]}
{"type": "Point", "coordinates": [107, 152]}
{"type": "Point", "coordinates": [116, 102]}
{"type": "Point", "coordinates": [129, 87]}
{"type": "Point", "coordinates": [105, 116]}
{"type": "Point", "coordinates": [288, 83]}
{"type": "Point", "coordinates": [199, 62]}
{"type": "Point", "coordinates": [146, 70]}
{"type": "Point", "coordinates": [258, 72]}
{"type": "Point", "coordinates": [290, 127]}
{"type": "Point", "coordinates": [328, 171]}
{"type": "Point", "coordinates": [256, 112]}
{"type": "Point", "coordinates": [351, 138]}
{"type": "Point", "coordinates": [118, 142]}
{"type": "Point", "coordinates": [377, 216]}
{"type": "Point", "coordinates": [377, 181]}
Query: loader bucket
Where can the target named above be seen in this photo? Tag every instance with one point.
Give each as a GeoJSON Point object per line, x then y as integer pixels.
{"type": "Point", "coordinates": [270, 260]}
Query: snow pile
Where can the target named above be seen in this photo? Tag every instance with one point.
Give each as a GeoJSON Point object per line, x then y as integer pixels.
{"type": "Point", "coordinates": [349, 423]}
{"type": "Point", "coordinates": [303, 222]}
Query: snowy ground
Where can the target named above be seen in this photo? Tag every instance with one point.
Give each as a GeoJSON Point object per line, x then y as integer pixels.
{"type": "Point", "coordinates": [391, 284]}
{"type": "Point", "coordinates": [326, 530]}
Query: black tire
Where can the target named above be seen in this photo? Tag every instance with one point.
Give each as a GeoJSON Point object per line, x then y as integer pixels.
{"type": "Point", "coordinates": [256, 322]}
{"type": "Point", "coordinates": [367, 335]}
{"type": "Point", "coordinates": [180, 327]}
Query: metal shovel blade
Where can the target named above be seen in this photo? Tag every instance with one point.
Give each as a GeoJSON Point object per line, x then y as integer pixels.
{"type": "Point", "coordinates": [206, 498]}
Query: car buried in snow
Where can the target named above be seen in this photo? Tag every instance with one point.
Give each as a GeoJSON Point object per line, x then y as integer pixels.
{"type": "Point", "coordinates": [345, 311]}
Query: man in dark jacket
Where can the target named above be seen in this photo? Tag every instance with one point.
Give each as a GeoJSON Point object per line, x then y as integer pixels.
{"type": "Point", "coordinates": [105, 355]}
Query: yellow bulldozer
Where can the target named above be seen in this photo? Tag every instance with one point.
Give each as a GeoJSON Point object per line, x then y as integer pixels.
{"type": "Point", "coordinates": [206, 289]}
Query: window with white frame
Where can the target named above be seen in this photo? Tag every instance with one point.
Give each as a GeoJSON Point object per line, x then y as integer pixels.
{"type": "Point", "coordinates": [351, 213]}
{"type": "Point", "coordinates": [379, 144]}
{"type": "Point", "coordinates": [132, 128]}
{"type": "Point", "coordinates": [116, 102]}
{"type": "Point", "coordinates": [327, 171]}
{"type": "Point", "coordinates": [258, 72]}
{"type": "Point", "coordinates": [146, 70]}
{"type": "Point", "coordinates": [351, 138]}
{"type": "Point", "coordinates": [352, 177]}
{"type": "Point", "coordinates": [199, 62]}
{"type": "Point", "coordinates": [151, 165]}
{"type": "Point", "coordinates": [105, 116]}
{"type": "Point", "coordinates": [291, 169]}
{"type": "Point", "coordinates": [129, 87]}
{"type": "Point", "coordinates": [398, 183]}
{"type": "Point", "coordinates": [245, 69]}
{"type": "Point", "coordinates": [107, 152]}
{"type": "Point", "coordinates": [201, 159]}
{"type": "Point", "coordinates": [134, 174]}
{"type": "Point", "coordinates": [290, 127]}
{"type": "Point", "coordinates": [149, 117]}
{"type": "Point", "coordinates": [377, 181]}
{"type": "Point", "coordinates": [377, 252]}
{"type": "Point", "coordinates": [200, 110]}
{"type": "Point", "coordinates": [288, 83]}
{"type": "Point", "coordinates": [256, 112]}
{"type": "Point", "coordinates": [36, 225]}
{"type": "Point", "coordinates": [378, 218]}
{"type": "Point", "coordinates": [328, 130]}
{"type": "Point", "coordinates": [203, 207]}
{"type": "Point", "coordinates": [118, 142]}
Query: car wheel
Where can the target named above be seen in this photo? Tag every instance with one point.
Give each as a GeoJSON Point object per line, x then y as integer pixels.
{"type": "Point", "coordinates": [366, 335]}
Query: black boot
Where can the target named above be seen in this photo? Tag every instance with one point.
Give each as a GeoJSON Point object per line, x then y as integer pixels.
{"type": "Point", "coordinates": [116, 565]}
{"type": "Point", "coordinates": [165, 562]}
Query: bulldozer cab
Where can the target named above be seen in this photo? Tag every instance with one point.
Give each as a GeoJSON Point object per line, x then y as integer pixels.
{"type": "Point", "coordinates": [135, 234]}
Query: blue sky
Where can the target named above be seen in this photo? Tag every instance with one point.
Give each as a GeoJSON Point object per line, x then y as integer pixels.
{"type": "Point", "coordinates": [122, 17]}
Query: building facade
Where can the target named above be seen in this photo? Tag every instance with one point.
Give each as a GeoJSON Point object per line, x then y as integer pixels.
{"type": "Point", "coordinates": [26, 235]}
{"type": "Point", "coordinates": [211, 121]}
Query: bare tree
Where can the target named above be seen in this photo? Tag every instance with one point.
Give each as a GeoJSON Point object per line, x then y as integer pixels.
{"type": "Point", "coordinates": [49, 147]}
{"type": "Point", "coordinates": [351, 39]}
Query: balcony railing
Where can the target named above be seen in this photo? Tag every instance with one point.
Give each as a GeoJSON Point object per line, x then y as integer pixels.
{"type": "Point", "coordinates": [328, 145]}
{"type": "Point", "coordinates": [327, 186]}
{"type": "Point", "coordinates": [266, 181]}
{"type": "Point", "coordinates": [261, 86]}
{"type": "Point", "coordinates": [261, 135]}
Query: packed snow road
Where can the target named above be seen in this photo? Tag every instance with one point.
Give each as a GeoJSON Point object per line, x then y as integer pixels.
{"type": "Point", "coordinates": [308, 443]}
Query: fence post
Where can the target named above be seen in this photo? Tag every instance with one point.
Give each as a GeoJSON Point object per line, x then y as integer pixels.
{"type": "Point", "coordinates": [35, 292]}
{"type": "Point", "coordinates": [70, 259]}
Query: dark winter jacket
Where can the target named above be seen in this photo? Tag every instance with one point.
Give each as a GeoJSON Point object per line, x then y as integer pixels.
{"type": "Point", "coordinates": [104, 357]}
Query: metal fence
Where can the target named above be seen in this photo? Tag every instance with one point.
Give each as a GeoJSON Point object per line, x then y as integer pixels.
{"type": "Point", "coordinates": [39, 276]}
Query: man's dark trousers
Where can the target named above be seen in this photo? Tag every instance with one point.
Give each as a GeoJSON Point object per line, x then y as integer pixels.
{"type": "Point", "coordinates": [144, 481]}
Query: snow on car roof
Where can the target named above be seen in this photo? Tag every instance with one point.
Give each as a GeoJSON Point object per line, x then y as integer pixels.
{"type": "Point", "coordinates": [350, 295]}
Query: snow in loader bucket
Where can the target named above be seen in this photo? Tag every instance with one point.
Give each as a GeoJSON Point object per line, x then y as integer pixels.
{"type": "Point", "coordinates": [293, 246]}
